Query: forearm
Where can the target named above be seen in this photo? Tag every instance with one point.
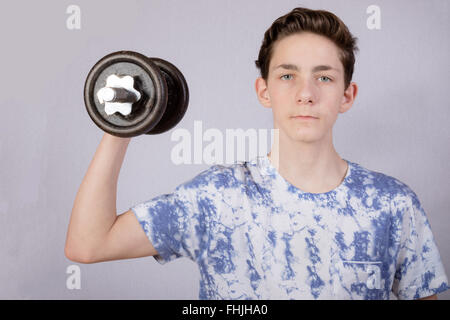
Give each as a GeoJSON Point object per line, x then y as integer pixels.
{"type": "Point", "coordinates": [94, 210]}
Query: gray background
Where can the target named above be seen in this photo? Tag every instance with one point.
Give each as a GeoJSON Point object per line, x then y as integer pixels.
{"type": "Point", "coordinates": [399, 124]}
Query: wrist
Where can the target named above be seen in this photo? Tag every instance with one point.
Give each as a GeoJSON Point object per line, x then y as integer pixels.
{"type": "Point", "coordinates": [114, 139]}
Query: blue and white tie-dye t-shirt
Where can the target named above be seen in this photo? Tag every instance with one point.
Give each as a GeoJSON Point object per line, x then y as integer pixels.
{"type": "Point", "coordinates": [254, 235]}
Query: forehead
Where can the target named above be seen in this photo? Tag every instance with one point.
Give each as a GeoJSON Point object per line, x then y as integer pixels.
{"type": "Point", "coordinates": [305, 49]}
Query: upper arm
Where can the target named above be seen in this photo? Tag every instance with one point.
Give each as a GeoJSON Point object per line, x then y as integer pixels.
{"type": "Point", "coordinates": [125, 240]}
{"type": "Point", "coordinates": [419, 268]}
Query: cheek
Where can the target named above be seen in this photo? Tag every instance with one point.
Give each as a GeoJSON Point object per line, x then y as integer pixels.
{"type": "Point", "coordinates": [330, 118]}
{"type": "Point", "coordinates": [279, 89]}
{"type": "Point", "coordinates": [280, 101]}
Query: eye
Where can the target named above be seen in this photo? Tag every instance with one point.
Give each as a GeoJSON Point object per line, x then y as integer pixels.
{"type": "Point", "coordinates": [284, 75]}
{"type": "Point", "coordinates": [326, 78]}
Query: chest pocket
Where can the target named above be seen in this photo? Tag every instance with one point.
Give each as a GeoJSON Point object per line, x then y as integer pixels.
{"type": "Point", "coordinates": [360, 279]}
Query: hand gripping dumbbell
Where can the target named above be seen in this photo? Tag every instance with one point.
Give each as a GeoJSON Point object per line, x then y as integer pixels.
{"type": "Point", "coordinates": [128, 94]}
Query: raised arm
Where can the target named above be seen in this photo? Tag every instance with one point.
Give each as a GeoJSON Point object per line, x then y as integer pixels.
{"type": "Point", "coordinates": [95, 232]}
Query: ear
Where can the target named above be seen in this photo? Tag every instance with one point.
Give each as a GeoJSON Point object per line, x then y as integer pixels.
{"type": "Point", "coordinates": [349, 97]}
{"type": "Point", "coordinates": [262, 92]}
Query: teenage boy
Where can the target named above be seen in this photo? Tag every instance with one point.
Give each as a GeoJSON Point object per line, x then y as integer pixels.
{"type": "Point", "coordinates": [298, 223]}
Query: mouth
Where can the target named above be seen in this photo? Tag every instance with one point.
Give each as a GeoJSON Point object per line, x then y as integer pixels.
{"type": "Point", "coordinates": [304, 117]}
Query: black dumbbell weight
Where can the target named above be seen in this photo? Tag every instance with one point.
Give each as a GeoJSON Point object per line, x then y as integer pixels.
{"type": "Point", "coordinates": [128, 94]}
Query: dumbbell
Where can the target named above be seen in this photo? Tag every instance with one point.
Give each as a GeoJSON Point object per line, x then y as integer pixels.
{"type": "Point", "coordinates": [128, 94]}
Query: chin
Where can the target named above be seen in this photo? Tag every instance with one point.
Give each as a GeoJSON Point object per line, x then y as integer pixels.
{"type": "Point", "coordinates": [300, 133]}
{"type": "Point", "coordinates": [304, 137]}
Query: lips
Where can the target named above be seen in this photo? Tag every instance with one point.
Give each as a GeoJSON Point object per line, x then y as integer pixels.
{"type": "Point", "coordinates": [304, 117]}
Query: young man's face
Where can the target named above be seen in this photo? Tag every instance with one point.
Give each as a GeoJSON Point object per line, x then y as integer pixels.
{"type": "Point", "coordinates": [301, 88]}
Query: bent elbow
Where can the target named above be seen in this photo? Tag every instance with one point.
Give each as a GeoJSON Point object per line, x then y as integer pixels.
{"type": "Point", "coordinates": [77, 255]}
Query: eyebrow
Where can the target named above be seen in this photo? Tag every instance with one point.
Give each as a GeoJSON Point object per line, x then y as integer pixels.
{"type": "Point", "coordinates": [290, 66]}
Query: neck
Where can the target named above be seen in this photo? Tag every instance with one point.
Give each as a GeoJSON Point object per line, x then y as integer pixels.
{"type": "Point", "coordinates": [313, 167]}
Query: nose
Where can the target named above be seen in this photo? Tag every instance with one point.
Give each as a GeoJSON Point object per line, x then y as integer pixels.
{"type": "Point", "coordinates": [305, 92]}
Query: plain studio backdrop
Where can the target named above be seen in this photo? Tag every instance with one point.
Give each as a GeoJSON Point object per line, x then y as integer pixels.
{"type": "Point", "coordinates": [399, 124]}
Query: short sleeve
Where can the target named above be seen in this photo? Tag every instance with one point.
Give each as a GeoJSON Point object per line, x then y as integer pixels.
{"type": "Point", "coordinates": [174, 224]}
{"type": "Point", "coordinates": [419, 269]}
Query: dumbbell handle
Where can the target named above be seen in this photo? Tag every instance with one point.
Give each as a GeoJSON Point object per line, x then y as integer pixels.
{"type": "Point", "coordinates": [109, 94]}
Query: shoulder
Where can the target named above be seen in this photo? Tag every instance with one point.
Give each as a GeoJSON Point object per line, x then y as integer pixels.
{"type": "Point", "coordinates": [383, 185]}
{"type": "Point", "coordinates": [216, 178]}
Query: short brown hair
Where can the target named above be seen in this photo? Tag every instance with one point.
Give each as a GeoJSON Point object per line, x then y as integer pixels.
{"type": "Point", "coordinates": [320, 22]}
